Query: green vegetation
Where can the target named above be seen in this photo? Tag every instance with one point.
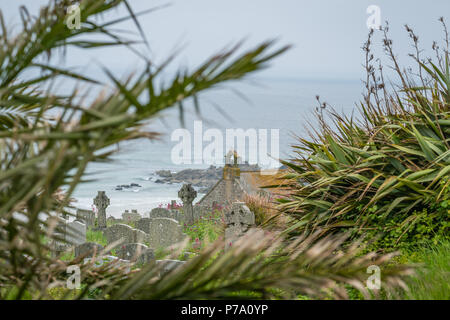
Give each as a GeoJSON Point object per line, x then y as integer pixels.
{"type": "Point", "coordinates": [392, 169]}
{"type": "Point", "coordinates": [266, 215]}
{"type": "Point", "coordinates": [205, 230]}
{"type": "Point", "coordinates": [385, 173]}
{"type": "Point", "coordinates": [432, 280]}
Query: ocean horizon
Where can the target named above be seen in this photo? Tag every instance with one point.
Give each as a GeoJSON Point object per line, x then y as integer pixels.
{"type": "Point", "coordinates": [287, 105]}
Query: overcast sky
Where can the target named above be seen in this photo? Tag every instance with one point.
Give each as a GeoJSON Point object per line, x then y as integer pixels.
{"type": "Point", "coordinates": [327, 34]}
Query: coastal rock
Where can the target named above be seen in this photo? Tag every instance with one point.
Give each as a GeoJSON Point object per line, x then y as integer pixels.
{"type": "Point", "coordinates": [200, 178]}
{"type": "Point", "coordinates": [164, 173]}
{"type": "Point", "coordinates": [143, 224]}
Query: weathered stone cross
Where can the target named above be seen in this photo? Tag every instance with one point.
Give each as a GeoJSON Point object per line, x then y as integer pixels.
{"type": "Point", "coordinates": [187, 194]}
{"type": "Point", "coordinates": [101, 202]}
{"type": "Point", "coordinates": [238, 219]}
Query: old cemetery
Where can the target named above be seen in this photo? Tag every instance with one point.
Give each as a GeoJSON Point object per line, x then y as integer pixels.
{"type": "Point", "coordinates": [165, 237]}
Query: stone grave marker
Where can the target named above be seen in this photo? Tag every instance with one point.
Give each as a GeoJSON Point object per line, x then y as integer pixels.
{"type": "Point", "coordinates": [164, 232]}
{"type": "Point", "coordinates": [143, 224]}
{"type": "Point", "coordinates": [101, 202]}
{"type": "Point", "coordinates": [75, 233]}
{"type": "Point", "coordinates": [125, 233]}
{"type": "Point", "coordinates": [136, 252]}
{"type": "Point", "coordinates": [139, 236]}
{"type": "Point", "coordinates": [66, 235]}
{"type": "Point", "coordinates": [187, 194]}
{"type": "Point", "coordinates": [238, 220]}
{"type": "Point", "coordinates": [88, 249]}
{"type": "Point", "coordinates": [147, 256]}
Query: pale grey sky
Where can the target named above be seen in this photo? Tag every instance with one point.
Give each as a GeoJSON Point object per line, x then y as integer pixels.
{"type": "Point", "coordinates": [327, 34]}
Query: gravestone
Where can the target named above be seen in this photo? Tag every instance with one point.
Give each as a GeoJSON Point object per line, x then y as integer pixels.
{"type": "Point", "coordinates": [59, 225]}
{"type": "Point", "coordinates": [131, 251]}
{"type": "Point", "coordinates": [147, 256]}
{"type": "Point", "coordinates": [164, 232]}
{"type": "Point", "coordinates": [75, 233]}
{"type": "Point", "coordinates": [66, 235]}
{"type": "Point", "coordinates": [101, 202]}
{"type": "Point", "coordinates": [71, 232]}
{"type": "Point", "coordinates": [143, 224]}
{"type": "Point", "coordinates": [136, 252]}
{"type": "Point", "coordinates": [160, 213]}
{"type": "Point", "coordinates": [238, 219]}
{"type": "Point", "coordinates": [88, 249]}
{"type": "Point", "coordinates": [120, 232]}
{"type": "Point", "coordinates": [187, 194]}
{"type": "Point", "coordinates": [57, 244]}
{"type": "Point", "coordinates": [58, 247]}
{"type": "Point", "coordinates": [86, 216]}
{"type": "Point", "coordinates": [132, 216]}
{"type": "Point", "coordinates": [139, 236]}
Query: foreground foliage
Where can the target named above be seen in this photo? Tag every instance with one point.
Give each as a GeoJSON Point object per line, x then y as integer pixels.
{"type": "Point", "coordinates": [259, 265]}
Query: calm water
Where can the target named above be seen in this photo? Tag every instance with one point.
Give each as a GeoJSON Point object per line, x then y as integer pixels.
{"type": "Point", "coordinates": [283, 105]}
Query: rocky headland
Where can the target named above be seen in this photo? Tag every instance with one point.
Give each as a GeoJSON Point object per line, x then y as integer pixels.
{"type": "Point", "coordinates": [204, 179]}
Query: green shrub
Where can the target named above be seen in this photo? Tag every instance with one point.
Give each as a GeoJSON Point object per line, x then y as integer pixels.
{"type": "Point", "coordinates": [386, 172]}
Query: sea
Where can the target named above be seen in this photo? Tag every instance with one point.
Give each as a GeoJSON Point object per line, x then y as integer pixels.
{"type": "Point", "coordinates": [284, 104]}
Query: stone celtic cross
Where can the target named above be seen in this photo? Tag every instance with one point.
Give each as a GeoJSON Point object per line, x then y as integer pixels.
{"type": "Point", "coordinates": [187, 194]}
{"type": "Point", "coordinates": [238, 219]}
{"type": "Point", "coordinates": [101, 202]}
